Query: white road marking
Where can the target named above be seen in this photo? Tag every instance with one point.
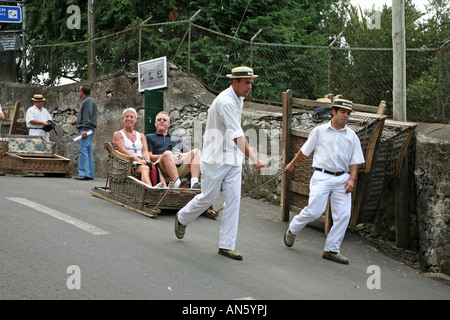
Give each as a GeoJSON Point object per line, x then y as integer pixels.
{"type": "Point", "coordinates": [61, 216]}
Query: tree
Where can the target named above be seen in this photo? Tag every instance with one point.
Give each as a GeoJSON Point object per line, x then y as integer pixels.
{"type": "Point", "coordinates": [366, 75]}
{"type": "Point", "coordinates": [47, 30]}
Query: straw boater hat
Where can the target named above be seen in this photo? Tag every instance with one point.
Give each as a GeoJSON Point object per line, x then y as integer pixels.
{"type": "Point", "coordinates": [326, 100]}
{"type": "Point", "coordinates": [241, 72]}
{"type": "Point", "coordinates": [341, 103]}
{"type": "Point", "coordinates": [38, 97]}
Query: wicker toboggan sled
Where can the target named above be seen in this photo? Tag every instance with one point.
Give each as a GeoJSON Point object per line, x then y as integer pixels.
{"type": "Point", "coordinates": [22, 155]}
{"type": "Point", "coordinates": [124, 189]}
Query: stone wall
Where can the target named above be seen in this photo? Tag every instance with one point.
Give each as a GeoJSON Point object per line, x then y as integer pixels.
{"type": "Point", "coordinates": [432, 177]}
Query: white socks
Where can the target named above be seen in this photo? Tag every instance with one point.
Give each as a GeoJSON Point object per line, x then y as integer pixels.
{"type": "Point", "coordinates": [193, 181]}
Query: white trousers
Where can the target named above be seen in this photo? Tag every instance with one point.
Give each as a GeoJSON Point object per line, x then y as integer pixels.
{"type": "Point", "coordinates": [321, 185]}
{"type": "Point", "coordinates": [213, 177]}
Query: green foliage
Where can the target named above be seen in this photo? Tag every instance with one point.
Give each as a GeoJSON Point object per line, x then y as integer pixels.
{"type": "Point", "coordinates": [362, 76]}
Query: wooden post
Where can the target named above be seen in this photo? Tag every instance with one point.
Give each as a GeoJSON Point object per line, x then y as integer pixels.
{"type": "Point", "coordinates": [286, 154]}
{"type": "Point", "coordinates": [381, 108]}
{"type": "Point", "coordinates": [12, 128]}
{"type": "Point", "coordinates": [402, 216]}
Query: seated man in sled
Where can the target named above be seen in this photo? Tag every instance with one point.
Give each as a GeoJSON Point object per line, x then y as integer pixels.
{"type": "Point", "coordinates": [133, 143]}
{"type": "Point", "coordinates": [174, 157]}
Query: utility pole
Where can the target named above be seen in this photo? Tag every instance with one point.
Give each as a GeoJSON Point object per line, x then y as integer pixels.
{"type": "Point", "coordinates": [91, 44]}
{"type": "Point", "coordinates": [399, 59]}
{"type": "Point", "coordinates": [402, 217]}
{"type": "Point", "coordinates": [24, 40]}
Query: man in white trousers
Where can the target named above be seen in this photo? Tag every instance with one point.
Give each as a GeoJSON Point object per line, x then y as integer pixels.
{"type": "Point", "coordinates": [224, 145]}
{"type": "Point", "coordinates": [337, 154]}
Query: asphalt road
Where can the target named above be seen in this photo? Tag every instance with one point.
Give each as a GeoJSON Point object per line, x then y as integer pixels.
{"type": "Point", "coordinates": [57, 241]}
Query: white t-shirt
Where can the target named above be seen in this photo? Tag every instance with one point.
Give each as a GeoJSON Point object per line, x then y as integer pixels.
{"type": "Point", "coordinates": [223, 125]}
{"type": "Point", "coordinates": [334, 150]}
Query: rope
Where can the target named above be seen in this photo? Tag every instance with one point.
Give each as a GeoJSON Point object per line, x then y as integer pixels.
{"type": "Point", "coordinates": [261, 185]}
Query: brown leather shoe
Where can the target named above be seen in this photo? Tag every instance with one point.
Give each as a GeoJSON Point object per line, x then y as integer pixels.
{"type": "Point", "coordinates": [289, 238]}
{"type": "Point", "coordinates": [335, 256]}
{"type": "Point", "coordinates": [179, 228]}
{"type": "Point", "coordinates": [233, 254]}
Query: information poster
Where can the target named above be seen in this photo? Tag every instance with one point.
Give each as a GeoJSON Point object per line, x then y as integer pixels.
{"type": "Point", "coordinates": [152, 74]}
{"type": "Point", "coordinates": [9, 42]}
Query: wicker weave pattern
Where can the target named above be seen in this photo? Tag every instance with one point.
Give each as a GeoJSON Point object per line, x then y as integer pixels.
{"type": "Point", "coordinates": [386, 166]}
{"type": "Point", "coordinates": [3, 146]}
{"type": "Point", "coordinates": [17, 164]}
{"type": "Point", "coordinates": [119, 169]}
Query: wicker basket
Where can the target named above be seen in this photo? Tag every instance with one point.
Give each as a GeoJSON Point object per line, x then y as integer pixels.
{"type": "Point", "coordinates": [387, 164]}
{"type": "Point", "coordinates": [135, 193]}
{"type": "Point", "coordinates": [119, 169]}
{"type": "Point", "coordinates": [131, 192]}
{"type": "Point", "coordinates": [3, 146]}
{"type": "Point", "coordinates": [11, 163]}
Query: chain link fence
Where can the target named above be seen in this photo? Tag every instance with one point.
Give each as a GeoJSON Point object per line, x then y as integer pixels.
{"type": "Point", "coordinates": [363, 75]}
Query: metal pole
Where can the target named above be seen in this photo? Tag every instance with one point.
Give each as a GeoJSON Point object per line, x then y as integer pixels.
{"type": "Point", "coordinates": [329, 60]}
{"type": "Point", "coordinates": [189, 41]}
{"type": "Point", "coordinates": [251, 47]}
{"type": "Point", "coordinates": [24, 44]}
{"type": "Point", "coordinates": [140, 36]}
{"type": "Point", "coordinates": [91, 43]}
{"type": "Point", "coordinates": [251, 56]}
{"type": "Point", "coordinates": [440, 112]}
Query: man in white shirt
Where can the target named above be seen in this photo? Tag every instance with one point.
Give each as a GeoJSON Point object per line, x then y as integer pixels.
{"type": "Point", "coordinates": [224, 145]}
{"type": "Point", "coordinates": [37, 117]}
{"type": "Point", "coordinates": [337, 154]}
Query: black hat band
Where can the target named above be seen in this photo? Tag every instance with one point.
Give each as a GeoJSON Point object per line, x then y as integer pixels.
{"type": "Point", "coordinates": [242, 74]}
{"type": "Point", "coordinates": [343, 103]}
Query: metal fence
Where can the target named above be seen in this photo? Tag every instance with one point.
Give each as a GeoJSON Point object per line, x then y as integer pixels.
{"type": "Point", "coordinates": [363, 75]}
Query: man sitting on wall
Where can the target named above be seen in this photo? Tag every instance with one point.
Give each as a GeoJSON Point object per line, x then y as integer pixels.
{"type": "Point", "coordinates": [174, 157]}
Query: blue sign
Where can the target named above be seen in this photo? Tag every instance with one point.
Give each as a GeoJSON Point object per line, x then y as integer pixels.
{"type": "Point", "coordinates": [10, 14]}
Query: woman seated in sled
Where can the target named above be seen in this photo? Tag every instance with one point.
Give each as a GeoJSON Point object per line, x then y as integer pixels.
{"type": "Point", "coordinates": [133, 143]}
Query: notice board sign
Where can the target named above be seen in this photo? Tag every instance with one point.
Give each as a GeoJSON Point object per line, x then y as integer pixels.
{"type": "Point", "coordinates": [152, 74]}
{"type": "Point", "coordinates": [9, 42]}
